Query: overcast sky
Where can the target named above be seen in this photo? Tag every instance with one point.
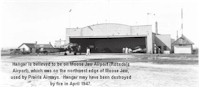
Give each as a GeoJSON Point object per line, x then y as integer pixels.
{"type": "Point", "coordinates": [44, 21]}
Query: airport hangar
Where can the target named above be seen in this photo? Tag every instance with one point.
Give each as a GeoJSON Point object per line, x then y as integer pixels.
{"type": "Point", "coordinates": [113, 37]}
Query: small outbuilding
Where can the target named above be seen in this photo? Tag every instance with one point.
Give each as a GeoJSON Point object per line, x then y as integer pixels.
{"type": "Point", "coordinates": [45, 47]}
{"type": "Point", "coordinates": [27, 47]}
{"type": "Point", "coordinates": [34, 47]}
{"type": "Point", "coordinates": [182, 45]}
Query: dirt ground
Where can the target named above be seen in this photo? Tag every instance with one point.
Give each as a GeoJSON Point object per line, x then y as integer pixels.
{"type": "Point", "coordinates": [144, 71]}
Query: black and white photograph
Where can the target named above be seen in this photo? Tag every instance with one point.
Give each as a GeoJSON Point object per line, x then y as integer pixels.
{"type": "Point", "coordinates": [99, 43]}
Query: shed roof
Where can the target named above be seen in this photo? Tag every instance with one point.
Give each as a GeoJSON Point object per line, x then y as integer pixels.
{"type": "Point", "coordinates": [44, 46]}
{"type": "Point", "coordinates": [182, 40]}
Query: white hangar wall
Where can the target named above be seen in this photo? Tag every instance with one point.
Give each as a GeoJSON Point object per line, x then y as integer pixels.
{"type": "Point", "coordinates": [112, 30]}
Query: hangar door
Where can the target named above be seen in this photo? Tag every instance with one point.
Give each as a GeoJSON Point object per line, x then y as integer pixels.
{"type": "Point", "coordinates": [109, 45]}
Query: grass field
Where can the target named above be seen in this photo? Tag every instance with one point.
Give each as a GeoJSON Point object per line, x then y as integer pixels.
{"type": "Point", "coordinates": [145, 70]}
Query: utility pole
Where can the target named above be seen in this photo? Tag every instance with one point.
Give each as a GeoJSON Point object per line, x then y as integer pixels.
{"type": "Point", "coordinates": [182, 20]}
{"type": "Point", "coordinates": [177, 34]}
{"type": "Point", "coordinates": [70, 18]}
{"type": "Point", "coordinates": [150, 14]}
{"type": "Point", "coordinates": [153, 21]}
{"type": "Point", "coordinates": [156, 27]}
